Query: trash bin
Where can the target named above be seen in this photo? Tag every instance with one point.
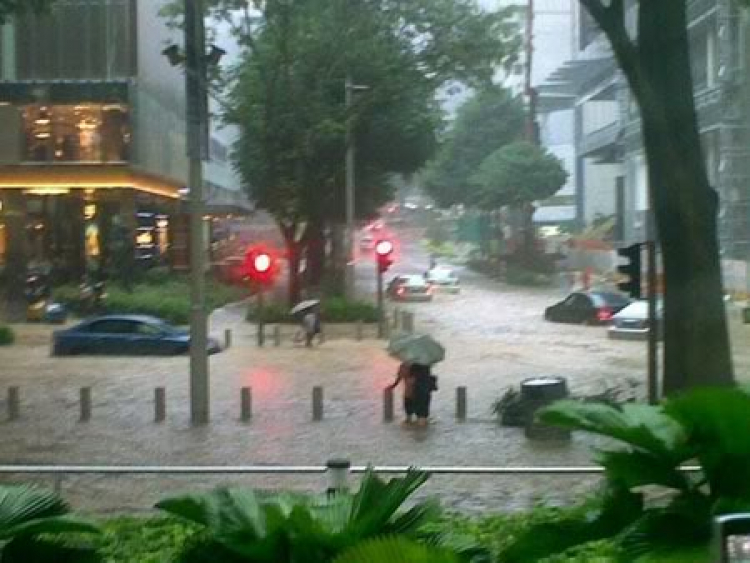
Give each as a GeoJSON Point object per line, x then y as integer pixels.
{"type": "Point", "coordinates": [538, 392]}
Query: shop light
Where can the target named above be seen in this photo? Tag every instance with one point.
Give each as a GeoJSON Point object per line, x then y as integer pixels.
{"type": "Point", "coordinates": [47, 191]}
{"type": "Point", "coordinates": [43, 117]}
{"type": "Point", "coordinates": [89, 210]}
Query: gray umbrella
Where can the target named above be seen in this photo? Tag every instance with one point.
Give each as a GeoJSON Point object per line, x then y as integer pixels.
{"type": "Point", "coordinates": [416, 349]}
{"type": "Point", "coordinates": [304, 305]}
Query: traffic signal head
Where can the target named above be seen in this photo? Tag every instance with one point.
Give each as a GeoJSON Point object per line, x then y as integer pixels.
{"type": "Point", "coordinates": [632, 269]}
{"type": "Point", "coordinates": [260, 266]}
{"type": "Point", "coordinates": [384, 250]}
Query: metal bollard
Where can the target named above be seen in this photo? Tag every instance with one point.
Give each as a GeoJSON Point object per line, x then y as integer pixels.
{"type": "Point", "coordinates": [261, 334]}
{"type": "Point", "coordinates": [227, 338]}
{"type": "Point", "coordinates": [160, 404]}
{"type": "Point", "coordinates": [85, 395]}
{"type": "Point", "coordinates": [388, 404]}
{"type": "Point", "coordinates": [358, 331]}
{"type": "Point", "coordinates": [407, 322]}
{"type": "Point", "coordinates": [246, 404]}
{"type": "Point", "coordinates": [14, 403]}
{"type": "Point", "coordinates": [461, 403]}
{"type": "Point", "coordinates": [277, 336]}
{"type": "Point", "coordinates": [317, 406]}
{"type": "Point", "coordinates": [337, 473]}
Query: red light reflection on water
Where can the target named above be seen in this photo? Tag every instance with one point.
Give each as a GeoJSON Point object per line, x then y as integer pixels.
{"type": "Point", "coordinates": [266, 382]}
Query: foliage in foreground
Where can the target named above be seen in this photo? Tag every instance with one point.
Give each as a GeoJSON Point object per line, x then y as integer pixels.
{"type": "Point", "coordinates": [7, 336]}
{"type": "Point", "coordinates": [241, 525]}
{"type": "Point", "coordinates": [28, 516]}
{"type": "Point", "coordinates": [651, 506]}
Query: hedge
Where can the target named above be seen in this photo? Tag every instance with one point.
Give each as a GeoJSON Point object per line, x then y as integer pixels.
{"type": "Point", "coordinates": [333, 310]}
{"type": "Point", "coordinates": [169, 300]}
{"type": "Point", "coordinates": [7, 336]}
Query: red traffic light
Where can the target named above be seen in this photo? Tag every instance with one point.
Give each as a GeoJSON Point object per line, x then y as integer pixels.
{"type": "Point", "coordinates": [260, 266]}
{"type": "Point", "coordinates": [384, 247]}
{"type": "Point", "coordinates": [262, 263]}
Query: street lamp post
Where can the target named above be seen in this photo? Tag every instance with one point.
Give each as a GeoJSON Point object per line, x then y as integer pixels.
{"type": "Point", "coordinates": [197, 149]}
{"type": "Point", "coordinates": [350, 88]}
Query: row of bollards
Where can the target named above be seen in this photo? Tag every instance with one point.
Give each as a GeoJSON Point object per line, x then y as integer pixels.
{"type": "Point", "coordinates": [246, 404]}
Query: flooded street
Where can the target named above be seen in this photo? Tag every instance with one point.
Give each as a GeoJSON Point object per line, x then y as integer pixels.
{"type": "Point", "coordinates": [495, 337]}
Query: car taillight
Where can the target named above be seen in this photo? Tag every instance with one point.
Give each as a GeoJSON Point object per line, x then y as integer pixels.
{"type": "Point", "coordinates": [604, 314]}
{"type": "Point", "coordinates": [400, 291]}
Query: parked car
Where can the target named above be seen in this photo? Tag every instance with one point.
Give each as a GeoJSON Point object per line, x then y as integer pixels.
{"type": "Point", "coordinates": [444, 279]}
{"type": "Point", "coordinates": [124, 335]}
{"type": "Point", "coordinates": [586, 307]}
{"type": "Point", "coordinates": [409, 288]}
{"type": "Point", "coordinates": [631, 323]}
{"type": "Point", "coordinates": [366, 242]}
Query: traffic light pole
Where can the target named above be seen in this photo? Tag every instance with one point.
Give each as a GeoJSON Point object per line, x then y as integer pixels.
{"type": "Point", "coordinates": [197, 147]}
{"type": "Point", "coordinates": [381, 307]}
{"type": "Point", "coordinates": [653, 327]}
{"type": "Point", "coordinates": [260, 302]}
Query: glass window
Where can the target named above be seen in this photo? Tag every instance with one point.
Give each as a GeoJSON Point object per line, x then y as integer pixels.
{"type": "Point", "coordinates": [76, 133]}
{"type": "Point", "coordinates": [113, 326]}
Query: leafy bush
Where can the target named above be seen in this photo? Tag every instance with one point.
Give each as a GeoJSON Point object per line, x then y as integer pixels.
{"type": "Point", "coordinates": [169, 299]}
{"type": "Point", "coordinates": [517, 275]}
{"type": "Point", "coordinates": [7, 336]}
{"type": "Point", "coordinates": [708, 426]}
{"type": "Point", "coordinates": [333, 310]}
{"type": "Point", "coordinates": [241, 525]}
{"type": "Point", "coordinates": [35, 525]}
{"type": "Point", "coordinates": [139, 540]}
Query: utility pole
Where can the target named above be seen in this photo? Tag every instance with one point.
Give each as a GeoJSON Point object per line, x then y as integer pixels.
{"type": "Point", "coordinates": [350, 157]}
{"type": "Point", "coordinates": [197, 151]}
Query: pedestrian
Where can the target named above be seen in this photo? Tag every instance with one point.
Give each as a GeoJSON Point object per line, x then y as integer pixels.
{"type": "Point", "coordinates": [424, 384]}
{"type": "Point", "coordinates": [311, 325]}
{"type": "Point", "coordinates": [404, 375]}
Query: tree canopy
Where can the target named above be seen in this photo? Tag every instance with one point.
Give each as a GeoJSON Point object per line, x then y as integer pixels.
{"type": "Point", "coordinates": [489, 120]}
{"type": "Point", "coordinates": [517, 174]}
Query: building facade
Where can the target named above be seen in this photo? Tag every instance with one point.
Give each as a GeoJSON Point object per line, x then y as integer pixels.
{"type": "Point", "coordinates": [92, 137]}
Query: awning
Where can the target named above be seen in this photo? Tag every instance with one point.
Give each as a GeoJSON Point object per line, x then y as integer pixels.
{"type": "Point", "coordinates": [562, 88]}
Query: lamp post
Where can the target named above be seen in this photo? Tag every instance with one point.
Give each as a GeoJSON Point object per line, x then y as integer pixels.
{"type": "Point", "coordinates": [197, 149]}
{"type": "Point", "coordinates": [350, 88]}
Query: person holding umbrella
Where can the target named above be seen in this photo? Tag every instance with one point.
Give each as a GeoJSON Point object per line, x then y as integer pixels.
{"type": "Point", "coordinates": [418, 352]}
{"type": "Point", "coordinates": [308, 313]}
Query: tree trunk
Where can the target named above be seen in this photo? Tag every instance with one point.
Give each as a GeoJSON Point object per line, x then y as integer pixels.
{"type": "Point", "coordinates": [315, 254]}
{"type": "Point", "coordinates": [337, 262]}
{"type": "Point", "coordinates": [293, 253]}
{"type": "Point", "coordinates": [696, 342]}
{"type": "Point", "coordinates": [16, 257]}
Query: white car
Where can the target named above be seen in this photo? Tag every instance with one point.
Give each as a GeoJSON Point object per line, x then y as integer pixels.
{"type": "Point", "coordinates": [444, 279]}
{"type": "Point", "coordinates": [631, 323]}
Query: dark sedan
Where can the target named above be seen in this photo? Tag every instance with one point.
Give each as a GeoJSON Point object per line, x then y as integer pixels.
{"type": "Point", "coordinates": [589, 307]}
{"type": "Point", "coordinates": [124, 335]}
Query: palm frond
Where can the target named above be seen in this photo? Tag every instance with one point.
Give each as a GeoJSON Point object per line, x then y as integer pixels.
{"type": "Point", "coordinates": [21, 503]}
{"type": "Point", "coordinates": [394, 549]}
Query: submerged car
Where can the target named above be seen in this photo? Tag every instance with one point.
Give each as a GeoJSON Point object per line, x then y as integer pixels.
{"type": "Point", "coordinates": [587, 307]}
{"type": "Point", "coordinates": [124, 335]}
{"type": "Point", "coordinates": [631, 323]}
{"type": "Point", "coordinates": [409, 288]}
{"type": "Point", "coordinates": [444, 279]}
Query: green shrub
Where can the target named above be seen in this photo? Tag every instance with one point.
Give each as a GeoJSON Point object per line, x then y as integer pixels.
{"type": "Point", "coordinates": [168, 299]}
{"type": "Point", "coordinates": [242, 525]}
{"type": "Point", "coordinates": [141, 540]}
{"type": "Point", "coordinates": [706, 427]}
{"type": "Point", "coordinates": [333, 310]}
{"type": "Point", "coordinates": [516, 275]}
{"type": "Point", "coordinates": [7, 336]}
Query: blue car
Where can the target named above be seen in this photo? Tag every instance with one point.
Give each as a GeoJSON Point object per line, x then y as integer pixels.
{"type": "Point", "coordinates": [124, 335]}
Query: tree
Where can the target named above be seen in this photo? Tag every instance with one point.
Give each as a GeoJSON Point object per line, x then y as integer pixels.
{"type": "Point", "coordinates": [288, 99]}
{"type": "Point", "coordinates": [656, 62]}
{"type": "Point", "coordinates": [490, 119]}
{"type": "Point", "coordinates": [517, 174]}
